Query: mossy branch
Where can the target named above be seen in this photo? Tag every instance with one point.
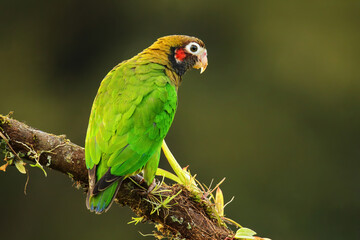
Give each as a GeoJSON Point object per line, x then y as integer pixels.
{"type": "Point", "coordinates": [184, 217]}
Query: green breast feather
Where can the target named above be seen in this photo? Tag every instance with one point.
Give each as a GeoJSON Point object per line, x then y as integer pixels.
{"type": "Point", "coordinates": [130, 117]}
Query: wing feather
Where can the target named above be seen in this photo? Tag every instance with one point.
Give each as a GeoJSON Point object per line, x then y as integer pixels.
{"type": "Point", "coordinates": [131, 115]}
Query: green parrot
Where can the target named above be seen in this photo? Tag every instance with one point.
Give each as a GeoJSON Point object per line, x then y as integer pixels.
{"type": "Point", "coordinates": [132, 113]}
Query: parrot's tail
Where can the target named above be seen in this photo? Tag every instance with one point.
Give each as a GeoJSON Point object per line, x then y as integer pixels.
{"type": "Point", "coordinates": [101, 201]}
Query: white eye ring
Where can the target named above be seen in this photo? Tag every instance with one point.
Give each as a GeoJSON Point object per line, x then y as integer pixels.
{"type": "Point", "coordinates": [193, 48]}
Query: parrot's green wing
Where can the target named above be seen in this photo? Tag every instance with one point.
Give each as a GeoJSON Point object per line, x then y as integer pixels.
{"type": "Point", "coordinates": [131, 115]}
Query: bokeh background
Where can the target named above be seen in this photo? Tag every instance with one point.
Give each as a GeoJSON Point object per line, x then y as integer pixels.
{"type": "Point", "coordinates": [277, 112]}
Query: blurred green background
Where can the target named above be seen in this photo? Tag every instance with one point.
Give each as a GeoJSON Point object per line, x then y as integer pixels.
{"type": "Point", "coordinates": [277, 112]}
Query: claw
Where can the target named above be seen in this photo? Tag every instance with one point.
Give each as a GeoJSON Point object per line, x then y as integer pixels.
{"type": "Point", "coordinates": [142, 180]}
{"type": "Point", "coordinates": [151, 187]}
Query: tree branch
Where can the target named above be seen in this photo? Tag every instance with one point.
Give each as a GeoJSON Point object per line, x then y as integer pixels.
{"type": "Point", "coordinates": [186, 216]}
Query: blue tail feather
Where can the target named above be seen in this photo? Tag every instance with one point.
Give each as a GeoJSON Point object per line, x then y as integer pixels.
{"type": "Point", "coordinates": [102, 201]}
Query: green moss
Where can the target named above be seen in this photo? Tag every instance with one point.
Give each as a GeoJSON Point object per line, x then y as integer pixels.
{"type": "Point", "coordinates": [175, 219]}
{"type": "Point", "coordinates": [49, 160]}
{"type": "Point", "coordinates": [2, 120]}
{"type": "Point", "coordinates": [3, 145]}
{"type": "Point", "coordinates": [68, 158]}
{"type": "Point", "coordinates": [5, 119]}
{"type": "Point", "coordinates": [188, 226]}
{"type": "Point", "coordinates": [21, 154]}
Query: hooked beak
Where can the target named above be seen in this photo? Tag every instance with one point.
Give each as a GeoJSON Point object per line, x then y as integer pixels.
{"type": "Point", "coordinates": [202, 61]}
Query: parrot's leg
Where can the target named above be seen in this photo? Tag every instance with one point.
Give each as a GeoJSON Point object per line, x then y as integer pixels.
{"type": "Point", "coordinates": [141, 181]}
{"type": "Point", "coordinates": [151, 187]}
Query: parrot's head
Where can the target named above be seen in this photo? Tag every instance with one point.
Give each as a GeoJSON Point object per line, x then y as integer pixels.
{"type": "Point", "coordinates": [183, 52]}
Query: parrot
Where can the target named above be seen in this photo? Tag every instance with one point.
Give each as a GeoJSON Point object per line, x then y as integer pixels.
{"type": "Point", "coordinates": [132, 113]}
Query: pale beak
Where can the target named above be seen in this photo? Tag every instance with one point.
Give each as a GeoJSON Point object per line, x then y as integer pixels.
{"type": "Point", "coordinates": [202, 61]}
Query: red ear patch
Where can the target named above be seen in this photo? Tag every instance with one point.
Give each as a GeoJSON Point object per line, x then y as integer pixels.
{"type": "Point", "coordinates": [180, 54]}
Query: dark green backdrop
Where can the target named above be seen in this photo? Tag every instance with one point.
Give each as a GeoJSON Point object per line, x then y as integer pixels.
{"type": "Point", "coordinates": [277, 112]}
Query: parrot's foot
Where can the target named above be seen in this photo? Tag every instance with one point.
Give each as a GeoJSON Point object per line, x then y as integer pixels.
{"type": "Point", "coordinates": [142, 180]}
{"type": "Point", "coordinates": [142, 183]}
{"type": "Point", "coordinates": [151, 187]}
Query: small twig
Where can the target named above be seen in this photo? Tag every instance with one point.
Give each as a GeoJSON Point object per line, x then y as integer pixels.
{"type": "Point", "coordinates": [27, 181]}
{"type": "Point", "coordinates": [7, 143]}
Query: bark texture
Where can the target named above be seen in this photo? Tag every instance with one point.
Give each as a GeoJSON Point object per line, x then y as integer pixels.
{"type": "Point", "coordinates": [186, 216]}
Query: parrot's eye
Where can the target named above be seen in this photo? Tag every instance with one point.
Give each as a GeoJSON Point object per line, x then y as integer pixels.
{"type": "Point", "coordinates": [193, 48]}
